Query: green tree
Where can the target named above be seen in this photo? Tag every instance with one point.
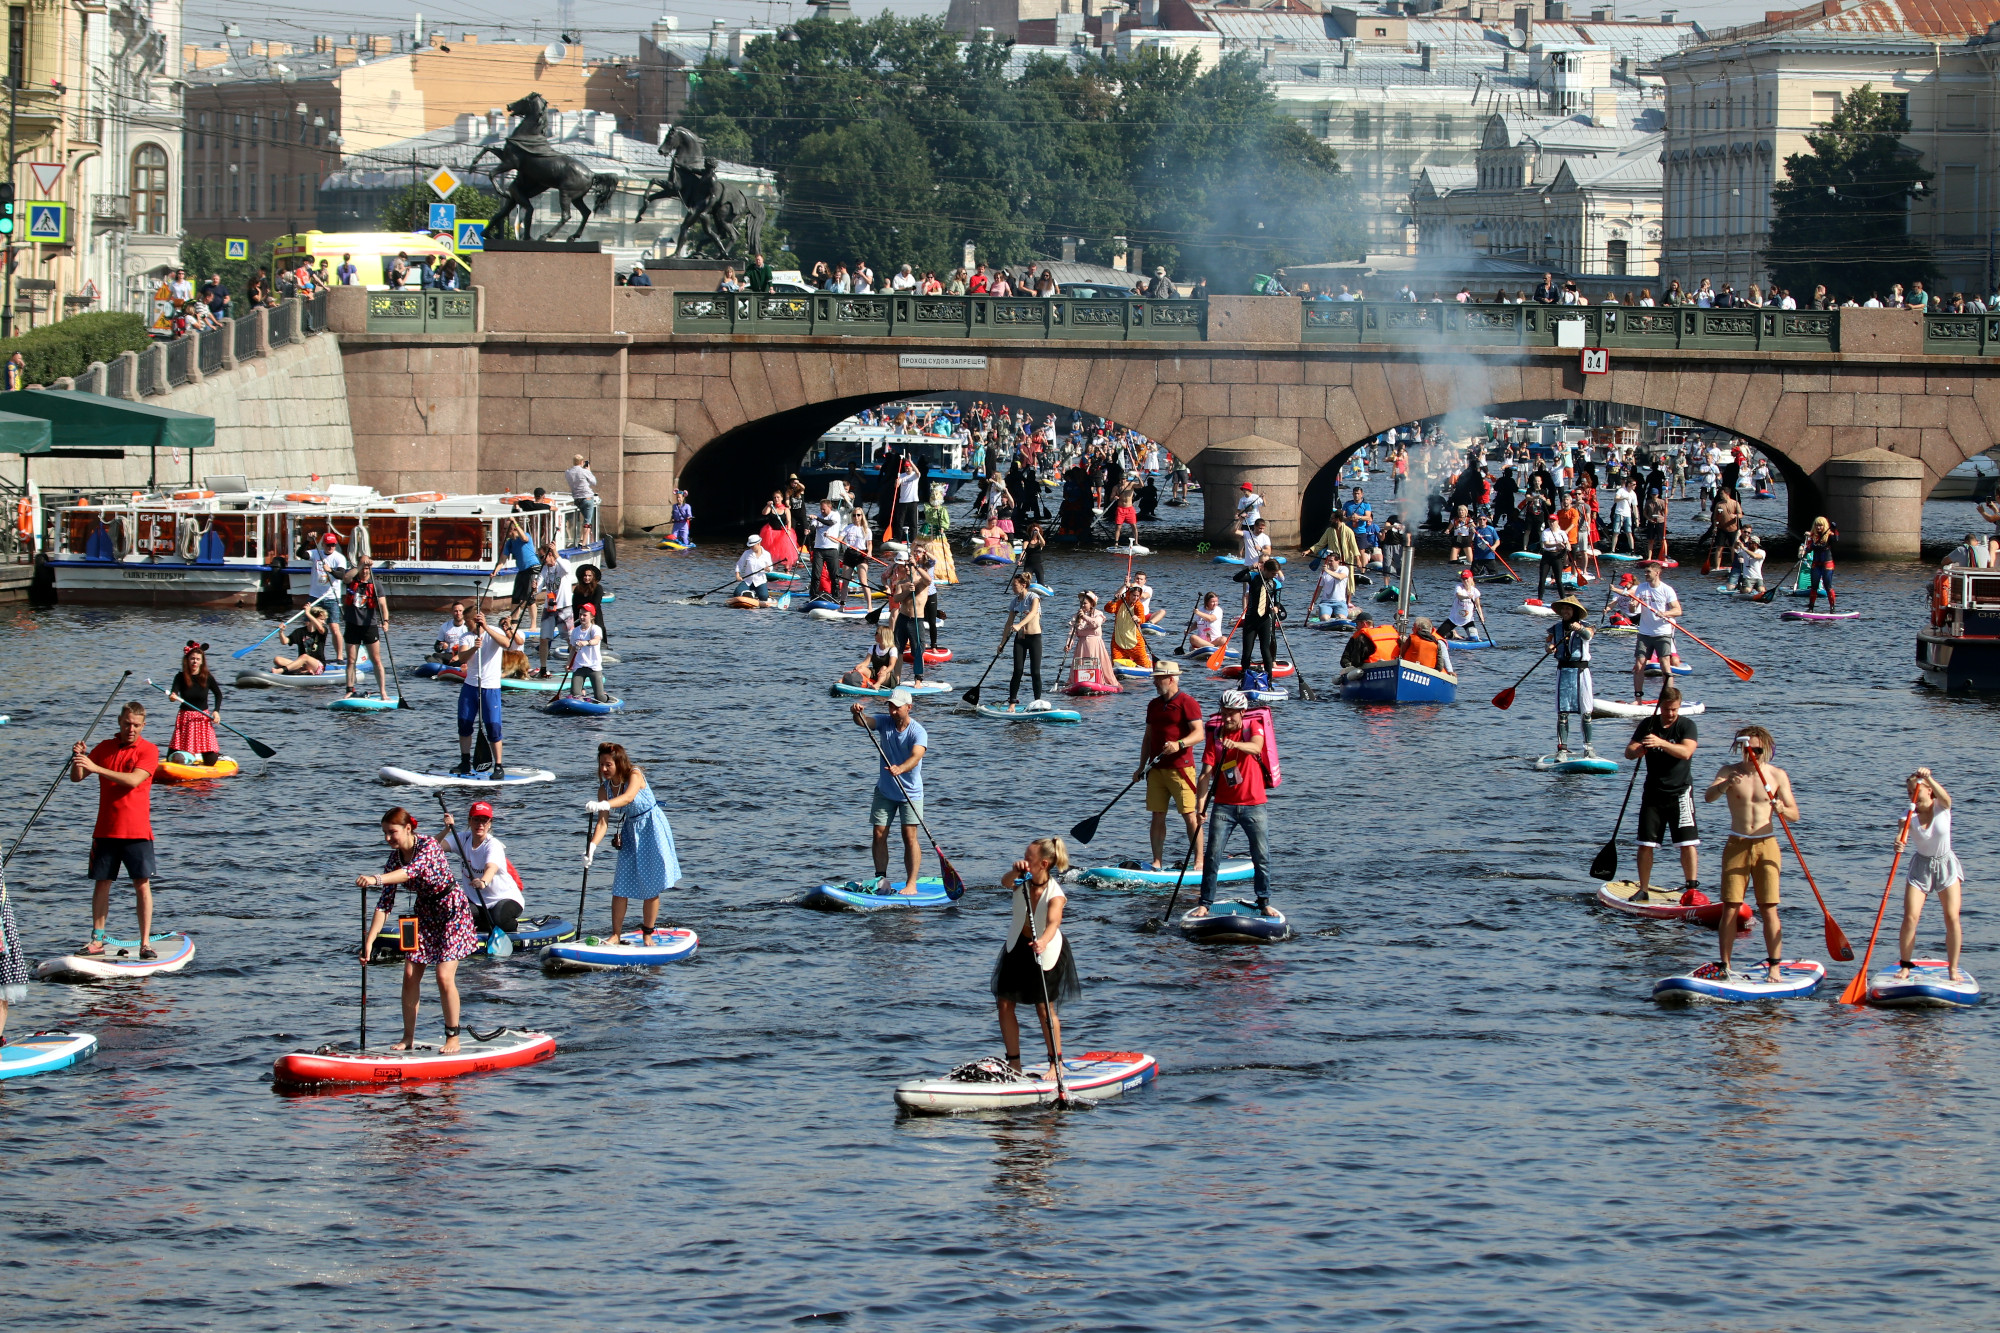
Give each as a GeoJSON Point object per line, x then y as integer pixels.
{"type": "Point", "coordinates": [1841, 215]}
{"type": "Point", "coordinates": [202, 258]}
{"type": "Point", "coordinates": [409, 208]}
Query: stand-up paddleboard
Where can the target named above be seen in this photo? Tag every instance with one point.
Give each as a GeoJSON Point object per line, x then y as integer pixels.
{"type": "Point", "coordinates": [936, 656]}
{"type": "Point", "coordinates": [669, 544]}
{"type": "Point", "coordinates": [1535, 556]}
{"type": "Point", "coordinates": [1237, 560]}
{"type": "Point", "coordinates": [535, 930]}
{"type": "Point", "coordinates": [507, 1049]}
{"type": "Point", "coordinates": [45, 1052]}
{"type": "Point", "coordinates": [1234, 922]}
{"type": "Point", "coordinates": [1092, 687]}
{"type": "Point", "coordinates": [988, 1085]}
{"type": "Point", "coordinates": [1819, 615]}
{"type": "Point", "coordinates": [548, 686]}
{"type": "Point", "coordinates": [581, 705]}
{"type": "Point", "coordinates": [119, 959]}
{"type": "Point", "coordinates": [1468, 645]}
{"type": "Point", "coordinates": [1798, 977]}
{"type": "Point", "coordinates": [828, 614]}
{"type": "Point", "coordinates": [479, 777]}
{"type": "Point", "coordinates": [363, 703]}
{"type": "Point", "coordinates": [1040, 589]}
{"type": "Point", "coordinates": [275, 680]}
{"type": "Point", "coordinates": [1268, 696]}
{"type": "Point", "coordinates": [1029, 714]}
{"type": "Point", "coordinates": [1616, 555]}
{"type": "Point", "coordinates": [1130, 548]}
{"type": "Point", "coordinates": [1602, 707]}
{"type": "Point", "coordinates": [918, 691]}
{"type": "Point", "coordinates": [1665, 905]}
{"type": "Point", "coordinates": [1130, 670]}
{"type": "Point", "coordinates": [930, 893]}
{"type": "Point", "coordinates": [991, 560]}
{"type": "Point", "coordinates": [223, 767]}
{"type": "Point", "coordinates": [634, 948]}
{"type": "Point", "coordinates": [1929, 986]}
{"type": "Point", "coordinates": [1574, 763]}
{"type": "Point", "coordinates": [1534, 607]}
{"type": "Point", "coordinates": [1133, 875]}
{"type": "Point", "coordinates": [1280, 668]}
{"type": "Point", "coordinates": [741, 602]}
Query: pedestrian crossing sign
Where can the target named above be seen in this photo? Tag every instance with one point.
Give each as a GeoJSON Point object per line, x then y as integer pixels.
{"type": "Point", "coordinates": [236, 247]}
{"type": "Point", "coordinates": [48, 222]}
{"type": "Point", "coordinates": [471, 237]}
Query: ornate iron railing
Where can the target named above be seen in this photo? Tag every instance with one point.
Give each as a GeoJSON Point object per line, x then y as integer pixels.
{"type": "Point", "coordinates": [901, 315]}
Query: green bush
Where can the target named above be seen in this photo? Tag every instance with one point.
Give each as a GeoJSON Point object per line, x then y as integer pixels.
{"type": "Point", "coordinates": [68, 346]}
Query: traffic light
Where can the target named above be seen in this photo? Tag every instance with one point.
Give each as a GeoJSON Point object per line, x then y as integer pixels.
{"type": "Point", "coordinates": [6, 208]}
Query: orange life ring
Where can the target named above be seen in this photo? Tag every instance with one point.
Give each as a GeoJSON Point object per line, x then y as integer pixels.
{"type": "Point", "coordinates": [1940, 600]}
{"type": "Point", "coordinates": [418, 497]}
{"type": "Point", "coordinates": [24, 518]}
{"type": "Point", "coordinates": [301, 497]}
{"type": "Point", "coordinates": [194, 495]}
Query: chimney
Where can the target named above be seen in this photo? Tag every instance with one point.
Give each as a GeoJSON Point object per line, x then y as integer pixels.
{"type": "Point", "coordinates": [716, 32]}
{"type": "Point", "coordinates": [1118, 253]}
{"type": "Point", "coordinates": [257, 48]}
{"type": "Point", "coordinates": [1069, 249]}
{"type": "Point", "coordinates": [1506, 62]}
{"type": "Point", "coordinates": [1555, 10]}
{"type": "Point", "coordinates": [343, 55]}
{"type": "Point", "coordinates": [1346, 56]}
{"type": "Point", "coordinates": [1600, 16]}
{"type": "Point", "coordinates": [1524, 21]}
{"type": "Point", "coordinates": [1149, 13]}
{"type": "Point", "coordinates": [1424, 52]}
{"type": "Point", "coordinates": [1666, 16]}
{"type": "Point", "coordinates": [381, 46]}
{"type": "Point", "coordinates": [468, 39]}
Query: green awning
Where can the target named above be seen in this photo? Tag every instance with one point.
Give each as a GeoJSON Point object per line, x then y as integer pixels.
{"type": "Point", "coordinates": [23, 435]}
{"type": "Point", "coordinates": [91, 421]}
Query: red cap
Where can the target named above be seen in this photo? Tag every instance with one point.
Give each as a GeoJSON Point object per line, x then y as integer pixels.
{"type": "Point", "coordinates": [331, 538]}
{"type": "Point", "coordinates": [1247, 486]}
{"type": "Point", "coordinates": [482, 808]}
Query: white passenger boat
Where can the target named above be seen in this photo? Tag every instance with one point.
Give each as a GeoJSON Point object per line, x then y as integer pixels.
{"type": "Point", "coordinates": [212, 547]}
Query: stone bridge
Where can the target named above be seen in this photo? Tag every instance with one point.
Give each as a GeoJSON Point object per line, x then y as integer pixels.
{"type": "Point", "coordinates": [1863, 410]}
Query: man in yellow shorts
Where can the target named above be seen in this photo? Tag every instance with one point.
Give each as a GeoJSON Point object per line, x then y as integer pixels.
{"type": "Point", "coordinates": [1174, 737]}
{"type": "Point", "coordinates": [1755, 788]}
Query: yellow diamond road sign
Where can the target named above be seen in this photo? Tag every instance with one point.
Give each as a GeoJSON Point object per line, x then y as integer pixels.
{"type": "Point", "coordinates": [442, 182]}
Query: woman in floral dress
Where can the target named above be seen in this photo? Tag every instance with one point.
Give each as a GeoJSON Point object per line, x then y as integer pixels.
{"type": "Point", "coordinates": [444, 920]}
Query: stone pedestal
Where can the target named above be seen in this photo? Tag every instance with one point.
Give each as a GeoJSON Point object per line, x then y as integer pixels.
{"type": "Point", "coordinates": [1876, 499]}
{"type": "Point", "coordinates": [1271, 468]}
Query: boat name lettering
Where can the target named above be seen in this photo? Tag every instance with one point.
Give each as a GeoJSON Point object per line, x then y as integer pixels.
{"type": "Point", "coordinates": [156, 575]}
{"type": "Point", "coordinates": [937, 361]}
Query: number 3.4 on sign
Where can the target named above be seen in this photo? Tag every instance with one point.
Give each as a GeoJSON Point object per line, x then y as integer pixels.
{"type": "Point", "coordinates": [1596, 361]}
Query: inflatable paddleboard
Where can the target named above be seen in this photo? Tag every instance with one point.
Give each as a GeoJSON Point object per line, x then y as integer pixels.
{"type": "Point", "coordinates": [1280, 668]}
{"type": "Point", "coordinates": [1602, 707]}
{"type": "Point", "coordinates": [1929, 986]}
{"type": "Point", "coordinates": [1134, 875]}
{"type": "Point", "coordinates": [1237, 560]}
{"type": "Point", "coordinates": [1006, 714]}
{"type": "Point", "coordinates": [1535, 556]}
{"type": "Point", "coordinates": [363, 703]}
{"type": "Point", "coordinates": [918, 691]}
{"type": "Point", "coordinates": [1468, 645]}
{"type": "Point", "coordinates": [826, 613]}
{"type": "Point", "coordinates": [223, 767]}
{"type": "Point", "coordinates": [933, 656]}
{"type": "Point", "coordinates": [930, 893]}
{"type": "Point", "coordinates": [669, 544]}
{"type": "Point", "coordinates": [1531, 607]}
{"type": "Point", "coordinates": [632, 949]}
{"type": "Point", "coordinates": [1819, 615]}
{"type": "Point", "coordinates": [1267, 696]}
{"type": "Point", "coordinates": [991, 560]}
{"type": "Point", "coordinates": [1130, 548]}
{"type": "Point", "coordinates": [119, 959]}
{"type": "Point", "coordinates": [1616, 555]}
{"type": "Point", "coordinates": [986, 1085]}
{"type": "Point", "coordinates": [549, 686]}
{"type": "Point", "coordinates": [516, 777]}
{"type": "Point", "coordinates": [535, 930]}
{"type": "Point", "coordinates": [1798, 977]}
{"type": "Point", "coordinates": [1234, 922]}
{"type": "Point", "coordinates": [583, 705]}
{"type": "Point", "coordinates": [507, 1049]}
{"type": "Point", "coordinates": [268, 680]}
{"type": "Point", "coordinates": [1130, 670]}
{"type": "Point", "coordinates": [425, 670]}
{"type": "Point", "coordinates": [1574, 763]}
{"type": "Point", "coordinates": [1040, 589]}
{"type": "Point", "coordinates": [1665, 905]}
{"type": "Point", "coordinates": [1092, 687]}
{"type": "Point", "coordinates": [44, 1052]}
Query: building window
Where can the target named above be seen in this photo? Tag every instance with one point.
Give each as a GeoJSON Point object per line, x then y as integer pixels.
{"type": "Point", "coordinates": [1614, 258]}
{"type": "Point", "coordinates": [256, 125]}
{"type": "Point", "coordinates": [1403, 125]}
{"type": "Point", "coordinates": [302, 189]}
{"type": "Point", "coordinates": [201, 196]}
{"type": "Point", "coordinates": [253, 193]}
{"type": "Point", "coordinates": [201, 130]}
{"type": "Point", "coordinates": [149, 190]}
{"type": "Point", "coordinates": [17, 43]}
{"type": "Point", "coordinates": [1442, 131]}
{"type": "Point", "coordinates": [1361, 127]}
{"type": "Point", "coordinates": [235, 195]}
{"type": "Point", "coordinates": [1900, 104]}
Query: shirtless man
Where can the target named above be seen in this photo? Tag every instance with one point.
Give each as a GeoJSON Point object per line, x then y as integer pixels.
{"type": "Point", "coordinates": [1755, 788]}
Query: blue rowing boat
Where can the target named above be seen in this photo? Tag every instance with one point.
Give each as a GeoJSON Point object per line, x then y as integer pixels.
{"type": "Point", "coordinates": [1401, 682]}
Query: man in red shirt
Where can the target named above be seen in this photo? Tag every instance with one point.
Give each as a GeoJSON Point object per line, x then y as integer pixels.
{"type": "Point", "coordinates": [124, 832]}
{"type": "Point", "coordinates": [1234, 763]}
{"type": "Point", "coordinates": [1166, 757]}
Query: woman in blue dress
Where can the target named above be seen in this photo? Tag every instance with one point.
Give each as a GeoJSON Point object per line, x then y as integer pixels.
{"type": "Point", "coordinates": [647, 866]}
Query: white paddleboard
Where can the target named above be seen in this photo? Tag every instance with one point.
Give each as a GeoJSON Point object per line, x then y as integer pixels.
{"type": "Point", "coordinates": [1602, 707]}
{"type": "Point", "coordinates": [984, 1086]}
{"type": "Point", "coordinates": [120, 959]}
{"type": "Point", "coordinates": [43, 1052]}
{"type": "Point", "coordinates": [1797, 977]}
{"type": "Point", "coordinates": [1929, 986]}
{"type": "Point", "coordinates": [516, 777]}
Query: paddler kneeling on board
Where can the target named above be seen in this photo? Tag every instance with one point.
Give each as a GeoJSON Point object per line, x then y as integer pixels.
{"type": "Point", "coordinates": [1569, 640]}
{"type": "Point", "coordinates": [496, 891]}
{"type": "Point", "coordinates": [1666, 741]}
{"type": "Point", "coordinates": [310, 641]}
{"type": "Point", "coordinates": [1755, 787]}
{"type": "Point", "coordinates": [444, 920]}
{"type": "Point", "coordinates": [1035, 965]}
{"type": "Point", "coordinates": [751, 568]}
{"type": "Point", "coordinates": [877, 671]}
{"type": "Point", "coordinates": [899, 787]}
{"type": "Point", "coordinates": [1369, 643]}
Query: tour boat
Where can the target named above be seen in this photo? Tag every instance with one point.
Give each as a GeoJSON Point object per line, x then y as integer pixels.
{"type": "Point", "coordinates": [211, 548]}
{"type": "Point", "coordinates": [1960, 648]}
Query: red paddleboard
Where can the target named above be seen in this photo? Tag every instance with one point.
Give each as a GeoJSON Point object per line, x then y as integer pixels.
{"type": "Point", "coordinates": [1661, 904]}
{"type": "Point", "coordinates": [1279, 671]}
{"type": "Point", "coordinates": [506, 1049]}
{"type": "Point", "coordinates": [932, 656]}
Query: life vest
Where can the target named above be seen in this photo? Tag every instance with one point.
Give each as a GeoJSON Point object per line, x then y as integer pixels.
{"type": "Point", "coordinates": [1385, 640]}
{"type": "Point", "coordinates": [1422, 651]}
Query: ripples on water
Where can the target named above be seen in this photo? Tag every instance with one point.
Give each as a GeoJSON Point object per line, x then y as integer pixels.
{"type": "Point", "coordinates": [1448, 1104]}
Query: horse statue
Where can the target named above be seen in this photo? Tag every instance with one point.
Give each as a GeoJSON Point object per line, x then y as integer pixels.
{"type": "Point", "coordinates": [719, 209]}
{"type": "Point", "coordinates": [538, 167]}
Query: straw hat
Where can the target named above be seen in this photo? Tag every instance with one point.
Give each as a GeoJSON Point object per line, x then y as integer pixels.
{"type": "Point", "coordinates": [1572, 604]}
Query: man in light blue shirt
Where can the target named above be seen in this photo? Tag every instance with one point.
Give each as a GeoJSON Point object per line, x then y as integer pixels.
{"type": "Point", "coordinates": [899, 788]}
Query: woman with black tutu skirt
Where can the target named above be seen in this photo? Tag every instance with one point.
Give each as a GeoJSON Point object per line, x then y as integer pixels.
{"type": "Point", "coordinates": [1036, 968]}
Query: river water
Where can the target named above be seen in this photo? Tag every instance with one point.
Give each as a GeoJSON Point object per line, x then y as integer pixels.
{"type": "Point", "coordinates": [1448, 1103]}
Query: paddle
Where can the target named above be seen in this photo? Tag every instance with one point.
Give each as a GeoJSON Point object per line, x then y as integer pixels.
{"type": "Point", "coordinates": [22, 836]}
{"type": "Point", "coordinates": [1188, 629]}
{"type": "Point", "coordinates": [1504, 565]}
{"type": "Point", "coordinates": [1505, 699]}
{"type": "Point", "coordinates": [1479, 610]}
{"type": "Point", "coordinates": [262, 750]}
{"type": "Point", "coordinates": [583, 890]}
{"type": "Point", "coordinates": [498, 942]}
{"type": "Point", "coordinates": [1742, 671]}
{"type": "Point", "coordinates": [1086, 829]}
{"type": "Point", "coordinates": [1216, 658]}
{"type": "Point", "coordinates": [1305, 688]}
{"type": "Point", "coordinates": [954, 883]}
{"type": "Point", "coordinates": [731, 582]}
{"type": "Point", "coordinates": [971, 696]}
{"type": "Point", "coordinates": [389, 656]}
{"type": "Point", "coordinates": [1604, 865]}
{"type": "Point", "coordinates": [1150, 926]}
{"type": "Point", "coordinates": [1836, 940]}
{"type": "Point", "coordinates": [367, 953]}
{"type": "Point", "coordinates": [242, 653]}
{"type": "Point", "coordinates": [1857, 989]}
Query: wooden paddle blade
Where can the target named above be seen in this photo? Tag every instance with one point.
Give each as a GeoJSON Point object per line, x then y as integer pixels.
{"type": "Point", "coordinates": [1604, 866]}
{"type": "Point", "coordinates": [954, 883]}
{"type": "Point", "coordinates": [1085, 830]}
{"type": "Point", "coordinates": [1504, 699]}
{"type": "Point", "coordinates": [261, 750]}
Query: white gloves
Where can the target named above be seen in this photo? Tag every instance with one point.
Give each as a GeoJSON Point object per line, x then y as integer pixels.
{"type": "Point", "coordinates": [596, 807]}
{"type": "Point", "coordinates": [589, 855]}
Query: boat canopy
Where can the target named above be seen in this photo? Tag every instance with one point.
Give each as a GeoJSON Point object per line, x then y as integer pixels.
{"type": "Point", "coordinates": [92, 421]}
{"type": "Point", "coordinates": [23, 434]}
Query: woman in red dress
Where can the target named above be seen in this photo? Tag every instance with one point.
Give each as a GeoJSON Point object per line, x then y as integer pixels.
{"type": "Point", "coordinates": [194, 689]}
{"type": "Point", "coordinates": [777, 531]}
